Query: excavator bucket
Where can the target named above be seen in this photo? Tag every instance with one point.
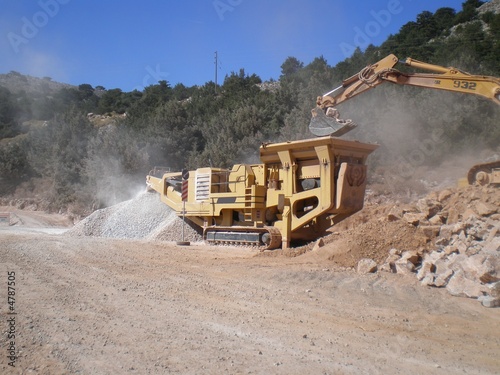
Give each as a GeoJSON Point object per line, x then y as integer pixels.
{"type": "Point", "coordinates": [322, 125]}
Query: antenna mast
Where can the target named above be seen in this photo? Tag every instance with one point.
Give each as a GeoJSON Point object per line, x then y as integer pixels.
{"type": "Point", "coordinates": [215, 72]}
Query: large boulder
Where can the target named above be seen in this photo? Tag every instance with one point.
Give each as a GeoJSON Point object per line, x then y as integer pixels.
{"type": "Point", "coordinates": [367, 265]}
{"type": "Point", "coordinates": [484, 268]}
{"type": "Point", "coordinates": [429, 207]}
{"type": "Point", "coordinates": [460, 286]}
{"type": "Point", "coordinates": [485, 209]}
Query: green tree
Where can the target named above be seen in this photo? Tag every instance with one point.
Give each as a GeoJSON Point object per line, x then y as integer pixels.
{"type": "Point", "coordinates": [181, 92]}
{"type": "Point", "coordinates": [468, 12]}
{"type": "Point", "coordinates": [291, 66]}
{"type": "Point", "coordinates": [444, 18]}
{"type": "Point", "coordinates": [112, 101]}
{"type": "Point", "coordinates": [9, 112]}
{"type": "Point", "coordinates": [14, 165]}
{"type": "Point", "coordinates": [57, 152]}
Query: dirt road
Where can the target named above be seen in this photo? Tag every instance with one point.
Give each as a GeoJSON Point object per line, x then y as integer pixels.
{"type": "Point", "coordinates": [108, 306]}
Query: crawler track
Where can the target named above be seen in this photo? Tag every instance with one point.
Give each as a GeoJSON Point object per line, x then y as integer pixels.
{"type": "Point", "coordinates": [266, 238]}
{"type": "Point", "coordinates": [480, 173]}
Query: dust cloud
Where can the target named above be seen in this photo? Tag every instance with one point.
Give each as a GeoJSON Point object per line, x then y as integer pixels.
{"type": "Point", "coordinates": [419, 146]}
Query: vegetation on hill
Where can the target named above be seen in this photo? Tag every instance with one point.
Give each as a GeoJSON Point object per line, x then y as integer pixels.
{"type": "Point", "coordinates": [51, 148]}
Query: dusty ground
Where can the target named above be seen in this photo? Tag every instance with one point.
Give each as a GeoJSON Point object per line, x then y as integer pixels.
{"type": "Point", "coordinates": [112, 306]}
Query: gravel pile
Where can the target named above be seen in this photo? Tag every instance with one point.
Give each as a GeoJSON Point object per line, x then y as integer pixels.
{"type": "Point", "coordinates": [143, 217]}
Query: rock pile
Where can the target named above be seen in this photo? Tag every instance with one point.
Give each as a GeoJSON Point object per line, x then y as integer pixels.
{"type": "Point", "coordinates": [143, 217]}
{"type": "Point", "coordinates": [463, 230]}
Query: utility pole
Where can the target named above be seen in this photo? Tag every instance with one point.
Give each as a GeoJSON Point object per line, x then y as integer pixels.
{"type": "Point", "coordinates": [216, 72]}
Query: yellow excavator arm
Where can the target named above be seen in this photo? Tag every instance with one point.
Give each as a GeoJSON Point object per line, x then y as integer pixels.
{"type": "Point", "coordinates": [325, 118]}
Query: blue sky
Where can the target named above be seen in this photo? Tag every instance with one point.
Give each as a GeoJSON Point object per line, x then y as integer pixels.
{"type": "Point", "coordinates": [132, 44]}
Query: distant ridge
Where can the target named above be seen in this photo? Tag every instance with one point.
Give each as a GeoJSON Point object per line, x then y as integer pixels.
{"type": "Point", "coordinates": [16, 82]}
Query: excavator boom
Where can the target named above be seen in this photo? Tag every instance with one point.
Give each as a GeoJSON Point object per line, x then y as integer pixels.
{"type": "Point", "coordinates": [325, 118]}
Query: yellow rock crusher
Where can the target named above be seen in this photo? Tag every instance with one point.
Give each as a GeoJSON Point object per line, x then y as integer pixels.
{"type": "Point", "coordinates": [299, 190]}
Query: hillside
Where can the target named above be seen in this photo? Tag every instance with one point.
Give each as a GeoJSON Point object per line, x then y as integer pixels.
{"type": "Point", "coordinates": [16, 83]}
{"type": "Point", "coordinates": [491, 6]}
{"type": "Point", "coordinates": [74, 148]}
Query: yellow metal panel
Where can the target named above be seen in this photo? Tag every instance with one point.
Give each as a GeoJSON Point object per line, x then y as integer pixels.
{"type": "Point", "coordinates": [351, 185]}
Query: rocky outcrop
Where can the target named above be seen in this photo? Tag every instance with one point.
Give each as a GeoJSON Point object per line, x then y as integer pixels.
{"type": "Point", "coordinates": [491, 6]}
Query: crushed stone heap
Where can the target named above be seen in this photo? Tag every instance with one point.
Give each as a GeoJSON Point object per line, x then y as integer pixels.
{"type": "Point", "coordinates": [144, 217]}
